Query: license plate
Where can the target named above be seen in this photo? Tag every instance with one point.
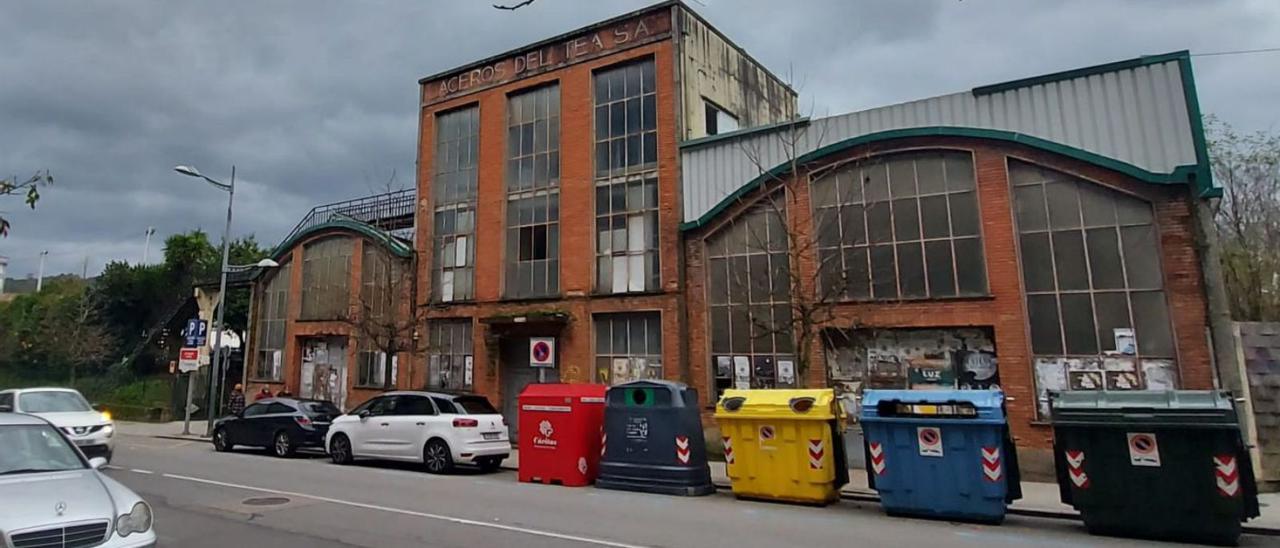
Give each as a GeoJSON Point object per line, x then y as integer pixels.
{"type": "Point", "coordinates": [490, 435]}
{"type": "Point", "coordinates": [84, 442]}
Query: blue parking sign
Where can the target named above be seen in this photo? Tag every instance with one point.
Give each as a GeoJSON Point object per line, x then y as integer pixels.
{"type": "Point", "coordinates": [196, 333]}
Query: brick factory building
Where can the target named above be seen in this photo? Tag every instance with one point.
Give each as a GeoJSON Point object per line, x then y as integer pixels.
{"type": "Point", "coordinates": [642, 194]}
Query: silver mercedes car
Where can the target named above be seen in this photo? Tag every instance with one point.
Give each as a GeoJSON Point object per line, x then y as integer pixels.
{"type": "Point", "coordinates": [51, 496]}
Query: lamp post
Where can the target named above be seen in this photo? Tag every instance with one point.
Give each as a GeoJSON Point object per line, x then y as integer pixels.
{"type": "Point", "coordinates": [230, 189]}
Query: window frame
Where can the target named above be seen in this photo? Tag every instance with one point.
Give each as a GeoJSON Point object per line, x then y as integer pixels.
{"type": "Point", "coordinates": [532, 186]}
{"type": "Point", "coordinates": [272, 316]}
{"type": "Point", "coordinates": [640, 254]}
{"type": "Point", "coordinates": [650, 355]}
{"type": "Point", "coordinates": [459, 330]}
{"type": "Point", "coordinates": [864, 244]}
{"type": "Point", "coordinates": [454, 198]}
{"type": "Point", "coordinates": [326, 278]}
{"type": "Point", "coordinates": [711, 116]}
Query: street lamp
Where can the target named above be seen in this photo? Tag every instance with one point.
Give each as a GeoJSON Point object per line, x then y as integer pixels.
{"type": "Point", "coordinates": [230, 189]}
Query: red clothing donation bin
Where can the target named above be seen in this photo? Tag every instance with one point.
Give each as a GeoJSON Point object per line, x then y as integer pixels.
{"type": "Point", "coordinates": [560, 433]}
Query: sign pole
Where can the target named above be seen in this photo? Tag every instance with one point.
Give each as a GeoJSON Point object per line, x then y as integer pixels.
{"type": "Point", "coordinates": [191, 384]}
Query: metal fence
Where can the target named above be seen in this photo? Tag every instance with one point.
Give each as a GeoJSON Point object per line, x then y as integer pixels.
{"type": "Point", "coordinates": [391, 212]}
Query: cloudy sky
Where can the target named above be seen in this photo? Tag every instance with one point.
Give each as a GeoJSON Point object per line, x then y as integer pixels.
{"type": "Point", "coordinates": [314, 100]}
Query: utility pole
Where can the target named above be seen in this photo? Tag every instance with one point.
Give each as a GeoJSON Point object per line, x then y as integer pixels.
{"type": "Point", "coordinates": [4, 262]}
{"type": "Point", "coordinates": [84, 268]}
{"type": "Point", "coordinates": [40, 276]}
{"type": "Point", "coordinates": [146, 248]}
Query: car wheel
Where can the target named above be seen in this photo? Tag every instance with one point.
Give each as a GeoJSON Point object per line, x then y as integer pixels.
{"type": "Point", "coordinates": [283, 446]}
{"type": "Point", "coordinates": [340, 450]}
{"type": "Point", "coordinates": [437, 457]}
{"type": "Point", "coordinates": [221, 442]}
{"type": "Point", "coordinates": [489, 464]}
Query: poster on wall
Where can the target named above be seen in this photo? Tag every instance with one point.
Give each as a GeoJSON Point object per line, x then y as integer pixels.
{"type": "Point", "coordinates": [467, 372]}
{"type": "Point", "coordinates": [1085, 380]}
{"type": "Point", "coordinates": [1051, 374]}
{"type": "Point", "coordinates": [786, 373]}
{"type": "Point", "coordinates": [932, 371]}
{"type": "Point", "coordinates": [724, 367]}
{"type": "Point", "coordinates": [742, 372]}
{"type": "Point", "coordinates": [978, 370]}
{"type": "Point", "coordinates": [1160, 374]}
{"type": "Point", "coordinates": [1123, 380]}
{"type": "Point", "coordinates": [1126, 342]}
{"type": "Point", "coordinates": [764, 372]}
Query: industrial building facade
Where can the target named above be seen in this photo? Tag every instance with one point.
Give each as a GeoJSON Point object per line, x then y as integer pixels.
{"type": "Point", "coordinates": [642, 194]}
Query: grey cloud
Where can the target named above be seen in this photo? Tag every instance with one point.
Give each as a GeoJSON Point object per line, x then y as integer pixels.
{"type": "Point", "coordinates": [314, 101]}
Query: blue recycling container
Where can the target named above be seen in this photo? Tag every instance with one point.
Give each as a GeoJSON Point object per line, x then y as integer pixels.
{"type": "Point", "coordinates": [940, 454]}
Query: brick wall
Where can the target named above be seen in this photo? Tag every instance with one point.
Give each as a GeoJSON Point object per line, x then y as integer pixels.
{"type": "Point", "coordinates": [575, 343]}
{"type": "Point", "coordinates": [1004, 308]}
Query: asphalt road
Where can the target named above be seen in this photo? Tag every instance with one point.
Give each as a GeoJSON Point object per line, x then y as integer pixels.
{"type": "Point", "coordinates": [204, 498]}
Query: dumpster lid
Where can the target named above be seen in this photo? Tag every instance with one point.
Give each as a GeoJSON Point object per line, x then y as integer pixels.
{"type": "Point", "coordinates": [988, 404]}
{"type": "Point", "coordinates": [817, 404]}
{"type": "Point", "coordinates": [563, 390]}
{"type": "Point", "coordinates": [1145, 406]}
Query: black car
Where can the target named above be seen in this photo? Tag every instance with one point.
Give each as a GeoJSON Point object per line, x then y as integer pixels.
{"type": "Point", "coordinates": [279, 424]}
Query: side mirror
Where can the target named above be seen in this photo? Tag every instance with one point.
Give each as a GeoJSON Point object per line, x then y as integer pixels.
{"type": "Point", "coordinates": [364, 414]}
{"type": "Point", "coordinates": [97, 463]}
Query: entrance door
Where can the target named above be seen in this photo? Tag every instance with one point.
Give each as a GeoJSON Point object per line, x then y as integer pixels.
{"type": "Point", "coordinates": [516, 374]}
{"type": "Point", "coordinates": [324, 370]}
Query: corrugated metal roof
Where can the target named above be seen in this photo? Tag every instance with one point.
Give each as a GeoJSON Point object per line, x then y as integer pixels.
{"type": "Point", "coordinates": [1138, 116]}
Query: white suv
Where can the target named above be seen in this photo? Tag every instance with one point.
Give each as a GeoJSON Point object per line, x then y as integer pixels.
{"type": "Point", "coordinates": [92, 431]}
{"type": "Point", "coordinates": [435, 428]}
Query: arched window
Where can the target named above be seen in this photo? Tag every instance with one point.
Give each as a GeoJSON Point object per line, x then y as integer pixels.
{"type": "Point", "coordinates": [904, 226]}
{"type": "Point", "coordinates": [272, 315]}
{"type": "Point", "coordinates": [1090, 259]}
{"type": "Point", "coordinates": [748, 299]}
{"type": "Point", "coordinates": [326, 279]}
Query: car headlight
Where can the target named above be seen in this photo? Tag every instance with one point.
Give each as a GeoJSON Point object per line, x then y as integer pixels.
{"type": "Point", "coordinates": [108, 430]}
{"type": "Point", "coordinates": [137, 520]}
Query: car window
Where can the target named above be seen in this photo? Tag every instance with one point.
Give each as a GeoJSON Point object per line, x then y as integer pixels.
{"type": "Point", "coordinates": [319, 408]}
{"type": "Point", "coordinates": [414, 405]}
{"type": "Point", "coordinates": [6, 401]}
{"type": "Point", "coordinates": [255, 410]}
{"type": "Point", "coordinates": [52, 401]}
{"type": "Point", "coordinates": [475, 405]}
{"type": "Point", "coordinates": [383, 406]}
{"type": "Point", "coordinates": [364, 406]}
{"type": "Point", "coordinates": [444, 405]}
{"type": "Point", "coordinates": [277, 407]}
{"type": "Point", "coordinates": [35, 448]}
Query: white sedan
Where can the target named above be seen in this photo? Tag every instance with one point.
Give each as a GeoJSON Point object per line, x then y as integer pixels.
{"type": "Point", "coordinates": [51, 495]}
{"type": "Point", "coordinates": [434, 428]}
{"type": "Point", "coordinates": [92, 431]}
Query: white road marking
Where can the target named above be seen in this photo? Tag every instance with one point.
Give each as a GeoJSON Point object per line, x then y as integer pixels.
{"type": "Point", "coordinates": [140, 471]}
{"type": "Point", "coordinates": [450, 519]}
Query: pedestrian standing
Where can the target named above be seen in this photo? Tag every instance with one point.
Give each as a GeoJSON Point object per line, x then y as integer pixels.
{"type": "Point", "coordinates": [236, 402]}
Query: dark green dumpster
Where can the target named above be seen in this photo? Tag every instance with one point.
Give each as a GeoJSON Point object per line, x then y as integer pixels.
{"type": "Point", "coordinates": [1166, 465]}
{"type": "Point", "coordinates": [653, 440]}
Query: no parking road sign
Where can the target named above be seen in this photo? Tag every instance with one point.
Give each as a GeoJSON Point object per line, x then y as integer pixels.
{"type": "Point", "coordinates": [542, 351]}
{"type": "Point", "coordinates": [930, 441]}
{"type": "Point", "coordinates": [1143, 450]}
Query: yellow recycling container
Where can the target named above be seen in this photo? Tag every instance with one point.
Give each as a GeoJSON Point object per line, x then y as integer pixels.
{"type": "Point", "coordinates": [784, 445]}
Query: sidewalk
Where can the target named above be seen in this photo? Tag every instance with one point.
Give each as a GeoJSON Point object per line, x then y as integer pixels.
{"type": "Point", "coordinates": [1038, 498]}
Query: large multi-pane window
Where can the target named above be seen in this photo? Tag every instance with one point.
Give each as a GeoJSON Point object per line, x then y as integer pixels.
{"type": "Point", "coordinates": [628, 346]}
{"type": "Point", "coordinates": [626, 179]}
{"type": "Point", "coordinates": [454, 193]}
{"type": "Point", "coordinates": [449, 355]}
{"type": "Point", "coordinates": [533, 193]}
{"type": "Point", "coordinates": [749, 300]}
{"type": "Point", "coordinates": [326, 277]}
{"type": "Point", "coordinates": [273, 308]}
{"type": "Point", "coordinates": [900, 227]}
{"type": "Point", "coordinates": [1090, 267]}
{"type": "Point", "coordinates": [383, 282]}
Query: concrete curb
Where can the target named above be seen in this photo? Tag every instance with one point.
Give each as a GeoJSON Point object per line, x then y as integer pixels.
{"type": "Point", "coordinates": [868, 496]}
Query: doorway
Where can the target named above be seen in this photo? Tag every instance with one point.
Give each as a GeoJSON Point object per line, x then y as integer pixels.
{"type": "Point", "coordinates": [324, 370]}
{"type": "Point", "coordinates": [517, 374]}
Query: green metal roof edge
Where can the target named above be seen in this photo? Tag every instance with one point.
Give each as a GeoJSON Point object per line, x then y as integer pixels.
{"type": "Point", "coordinates": [1181, 174]}
{"type": "Point", "coordinates": [393, 244]}
{"type": "Point", "coordinates": [1143, 61]}
{"type": "Point", "coordinates": [1204, 171]}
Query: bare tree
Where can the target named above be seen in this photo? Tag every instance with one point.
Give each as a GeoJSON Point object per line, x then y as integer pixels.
{"type": "Point", "coordinates": [29, 189]}
{"type": "Point", "coordinates": [387, 313]}
{"type": "Point", "coordinates": [74, 321]}
{"type": "Point", "coordinates": [1248, 218]}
